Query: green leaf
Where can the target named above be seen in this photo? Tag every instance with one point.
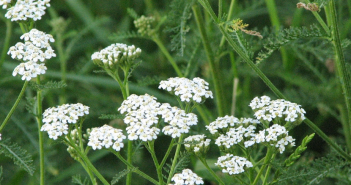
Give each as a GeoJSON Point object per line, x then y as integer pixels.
{"type": "Point", "coordinates": [120, 175]}
{"type": "Point", "coordinates": [112, 116]}
{"type": "Point", "coordinates": [76, 179]}
{"type": "Point", "coordinates": [19, 156]}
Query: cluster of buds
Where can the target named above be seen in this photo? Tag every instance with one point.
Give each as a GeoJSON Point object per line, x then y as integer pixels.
{"type": "Point", "coordinates": [143, 24]}
{"type": "Point", "coordinates": [116, 55]}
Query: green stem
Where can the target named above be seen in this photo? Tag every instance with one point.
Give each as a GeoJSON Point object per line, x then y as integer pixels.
{"type": "Point", "coordinates": [267, 81]}
{"type": "Point", "coordinates": [176, 155]}
{"type": "Point", "coordinates": [134, 169]}
{"type": "Point", "coordinates": [230, 14]}
{"type": "Point", "coordinates": [268, 171]}
{"type": "Point", "coordinates": [209, 53]}
{"type": "Point", "coordinates": [343, 73]}
{"type": "Point", "coordinates": [6, 42]}
{"type": "Point", "coordinates": [41, 139]}
{"type": "Point", "coordinates": [150, 147]}
{"type": "Point", "coordinates": [91, 167]}
{"type": "Point", "coordinates": [3, 124]}
{"type": "Point", "coordinates": [168, 56]}
{"type": "Point", "coordinates": [167, 153]}
{"type": "Point", "coordinates": [204, 162]}
{"type": "Point", "coordinates": [266, 161]}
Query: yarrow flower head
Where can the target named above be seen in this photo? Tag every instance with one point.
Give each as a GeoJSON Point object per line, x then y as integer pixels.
{"type": "Point", "coordinates": [279, 111]}
{"type": "Point", "coordinates": [36, 49]}
{"type": "Point", "coordinates": [179, 121]}
{"type": "Point", "coordinates": [187, 177]}
{"type": "Point", "coordinates": [142, 117]}
{"type": "Point", "coordinates": [195, 90]}
{"type": "Point", "coordinates": [143, 24]}
{"type": "Point", "coordinates": [106, 136]}
{"type": "Point", "coordinates": [233, 164]}
{"type": "Point", "coordinates": [29, 70]}
{"type": "Point", "coordinates": [223, 124]}
{"type": "Point", "coordinates": [116, 55]}
{"type": "Point", "coordinates": [26, 9]}
{"type": "Point", "coordinates": [56, 119]}
{"type": "Point", "coordinates": [276, 136]}
{"type": "Point", "coordinates": [4, 3]}
{"type": "Point", "coordinates": [197, 144]}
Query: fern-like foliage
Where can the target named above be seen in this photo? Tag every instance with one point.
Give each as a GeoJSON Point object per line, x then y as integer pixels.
{"type": "Point", "coordinates": [112, 116]}
{"type": "Point", "coordinates": [315, 172]}
{"type": "Point", "coordinates": [132, 68]}
{"type": "Point", "coordinates": [19, 156]}
{"type": "Point", "coordinates": [177, 21]}
{"type": "Point", "coordinates": [30, 105]}
{"type": "Point", "coordinates": [48, 85]}
{"type": "Point", "coordinates": [76, 179]}
{"type": "Point", "coordinates": [182, 163]}
{"type": "Point", "coordinates": [120, 175]}
{"type": "Point", "coordinates": [127, 35]}
{"type": "Point", "coordinates": [242, 43]}
{"type": "Point", "coordinates": [149, 80]}
{"type": "Point", "coordinates": [283, 37]}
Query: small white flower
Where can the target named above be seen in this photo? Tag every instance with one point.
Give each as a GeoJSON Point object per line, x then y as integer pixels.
{"type": "Point", "coordinates": [55, 119]}
{"type": "Point", "coordinates": [106, 136]}
{"type": "Point", "coordinates": [188, 90]}
{"type": "Point", "coordinates": [233, 164]}
{"type": "Point", "coordinates": [197, 143]}
{"type": "Point", "coordinates": [187, 177]}
{"type": "Point", "coordinates": [270, 110]}
{"type": "Point", "coordinates": [36, 47]}
{"type": "Point", "coordinates": [25, 9]}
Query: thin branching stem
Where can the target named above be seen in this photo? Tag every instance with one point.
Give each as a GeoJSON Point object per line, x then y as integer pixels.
{"type": "Point", "coordinates": [3, 124]}
{"type": "Point", "coordinates": [39, 113]}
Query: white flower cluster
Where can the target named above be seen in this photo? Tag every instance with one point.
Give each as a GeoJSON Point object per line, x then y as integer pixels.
{"type": "Point", "coordinates": [29, 70]}
{"type": "Point", "coordinates": [268, 110]}
{"type": "Point", "coordinates": [233, 164]}
{"type": "Point", "coordinates": [197, 143]}
{"type": "Point", "coordinates": [4, 3]}
{"type": "Point", "coordinates": [115, 54]}
{"type": "Point", "coordinates": [187, 177]}
{"type": "Point", "coordinates": [106, 136]}
{"type": "Point", "coordinates": [276, 136]}
{"type": "Point", "coordinates": [27, 9]}
{"type": "Point", "coordinates": [0, 137]}
{"type": "Point", "coordinates": [56, 119]}
{"type": "Point", "coordinates": [237, 135]}
{"type": "Point", "coordinates": [188, 90]}
{"type": "Point", "coordinates": [179, 121]}
{"type": "Point", "coordinates": [223, 124]}
{"type": "Point", "coordinates": [141, 117]}
{"type": "Point", "coordinates": [35, 49]}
